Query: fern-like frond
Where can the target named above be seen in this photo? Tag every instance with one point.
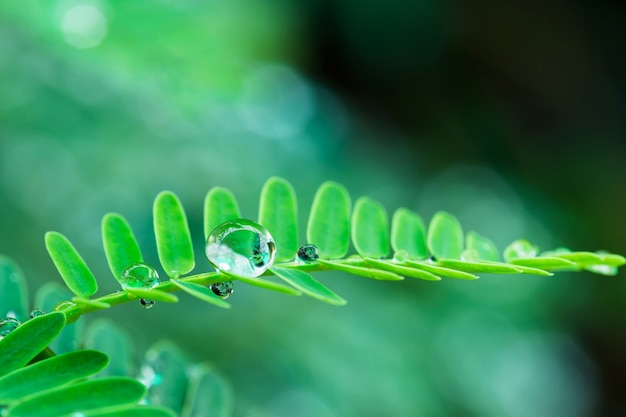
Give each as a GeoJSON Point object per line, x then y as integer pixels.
{"type": "Point", "coordinates": [441, 250]}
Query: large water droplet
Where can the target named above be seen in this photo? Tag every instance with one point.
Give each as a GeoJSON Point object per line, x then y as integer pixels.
{"type": "Point", "coordinates": [241, 247]}
{"type": "Point", "coordinates": [7, 325]}
{"type": "Point", "coordinates": [308, 253]}
{"type": "Point", "coordinates": [222, 289]}
{"type": "Point", "coordinates": [139, 275]}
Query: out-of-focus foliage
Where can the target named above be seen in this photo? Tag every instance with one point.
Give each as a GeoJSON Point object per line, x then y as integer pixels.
{"type": "Point", "coordinates": [509, 116]}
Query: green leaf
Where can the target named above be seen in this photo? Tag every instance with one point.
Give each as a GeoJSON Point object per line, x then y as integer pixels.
{"type": "Point", "coordinates": [120, 246]}
{"type": "Point", "coordinates": [173, 238]}
{"type": "Point", "coordinates": [219, 206]}
{"type": "Point", "coordinates": [520, 249]}
{"type": "Point", "coordinates": [50, 373]}
{"type": "Point", "coordinates": [533, 271]}
{"type": "Point", "coordinates": [404, 270]}
{"type": "Point", "coordinates": [107, 337]}
{"type": "Point", "coordinates": [445, 236]}
{"type": "Point", "coordinates": [480, 267]}
{"type": "Point", "coordinates": [441, 271]}
{"type": "Point", "coordinates": [580, 258]}
{"type": "Point", "coordinates": [329, 221]}
{"type": "Point", "coordinates": [13, 290]}
{"type": "Point", "coordinates": [97, 394]}
{"type": "Point", "coordinates": [278, 212]}
{"type": "Point", "coordinates": [543, 262]}
{"type": "Point", "coordinates": [70, 265]}
{"type": "Point", "coordinates": [612, 259]}
{"type": "Point", "coordinates": [91, 303]}
{"type": "Point", "coordinates": [165, 373]}
{"type": "Point", "coordinates": [369, 229]}
{"type": "Point", "coordinates": [24, 343]}
{"type": "Point", "coordinates": [155, 295]}
{"type": "Point", "coordinates": [208, 394]}
{"type": "Point", "coordinates": [135, 411]}
{"type": "Point", "coordinates": [201, 292]}
{"type": "Point", "coordinates": [268, 285]}
{"type": "Point", "coordinates": [407, 233]}
{"type": "Point", "coordinates": [484, 247]}
{"type": "Point", "coordinates": [49, 296]}
{"type": "Point", "coordinates": [361, 271]}
{"type": "Point", "coordinates": [308, 285]}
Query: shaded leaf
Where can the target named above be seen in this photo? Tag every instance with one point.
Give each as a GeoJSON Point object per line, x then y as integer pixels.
{"type": "Point", "coordinates": [13, 290]}
{"type": "Point", "coordinates": [201, 292]}
{"type": "Point", "coordinates": [120, 245]}
{"type": "Point", "coordinates": [329, 221]}
{"type": "Point", "coordinates": [408, 234]}
{"type": "Point", "coordinates": [580, 258]}
{"type": "Point", "coordinates": [47, 297]}
{"type": "Point", "coordinates": [50, 373]}
{"type": "Point", "coordinates": [155, 295]}
{"type": "Point", "coordinates": [278, 212]}
{"type": "Point", "coordinates": [308, 285]}
{"type": "Point", "coordinates": [107, 337]}
{"type": "Point", "coordinates": [164, 371]}
{"type": "Point", "coordinates": [544, 262]}
{"type": "Point", "coordinates": [369, 228]}
{"type": "Point", "coordinates": [441, 271]}
{"type": "Point", "coordinates": [404, 270]}
{"type": "Point", "coordinates": [484, 247]}
{"type": "Point", "coordinates": [602, 269]}
{"type": "Point", "coordinates": [611, 259]}
{"type": "Point", "coordinates": [480, 267]}
{"type": "Point", "coordinates": [97, 394]}
{"type": "Point", "coordinates": [362, 271]}
{"type": "Point", "coordinates": [208, 394]}
{"type": "Point", "coordinates": [173, 238]}
{"type": "Point", "coordinates": [445, 236]}
{"type": "Point", "coordinates": [220, 206]}
{"type": "Point", "coordinates": [70, 265]}
{"type": "Point", "coordinates": [24, 343]}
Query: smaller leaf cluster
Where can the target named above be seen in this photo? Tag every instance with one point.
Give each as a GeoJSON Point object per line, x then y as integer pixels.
{"type": "Point", "coordinates": [57, 386]}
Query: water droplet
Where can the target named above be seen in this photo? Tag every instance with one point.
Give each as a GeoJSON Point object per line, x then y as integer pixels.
{"type": "Point", "coordinates": [7, 325]}
{"type": "Point", "coordinates": [222, 289]}
{"type": "Point", "coordinates": [241, 247]}
{"type": "Point", "coordinates": [400, 256]}
{"type": "Point", "coordinates": [308, 253]}
{"type": "Point", "coordinates": [147, 304]}
{"type": "Point", "coordinates": [139, 275]}
{"type": "Point", "coordinates": [36, 313]}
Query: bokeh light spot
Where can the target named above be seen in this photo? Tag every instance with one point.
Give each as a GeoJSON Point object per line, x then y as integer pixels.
{"type": "Point", "coordinates": [84, 26]}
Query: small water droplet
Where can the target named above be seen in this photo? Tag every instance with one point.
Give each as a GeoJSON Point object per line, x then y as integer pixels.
{"type": "Point", "coordinates": [223, 289]}
{"type": "Point", "coordinates": [308, 253]}
{"type": "Point", "coordinates": [36, 313]}
{"type": "Point", "coordinates": [432, 258]}
{"type": "Point", "coordinates": [7, 325]}
{"type": "Point", "coordinates": [139, 275]}
{"type": "Point", "coordinates": [241, 247]}
{"type": "Point", "coordinates": [147, 304]}
{"type": "Point", "coordinates": [400, 256]}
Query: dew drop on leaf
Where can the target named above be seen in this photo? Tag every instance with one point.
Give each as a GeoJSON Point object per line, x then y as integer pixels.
{"type": "Point", "coordinates": [139, 275]}
{"type": "Point", "coordinates": [7, 325]}
{"type": "Point", "coordinates": [147, 304]}
{"type": "Point", "coordinates": [308, 253]}
{"type": "Point", "coordinates": [36, 313]}
{"type": "Point", "coordinates": [222, 289]}
{"type": "Point", "coordinates": [241, 247]}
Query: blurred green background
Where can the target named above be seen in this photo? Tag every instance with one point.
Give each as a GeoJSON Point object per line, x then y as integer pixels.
{"type": "Point", "coordinates": [509, 115]}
